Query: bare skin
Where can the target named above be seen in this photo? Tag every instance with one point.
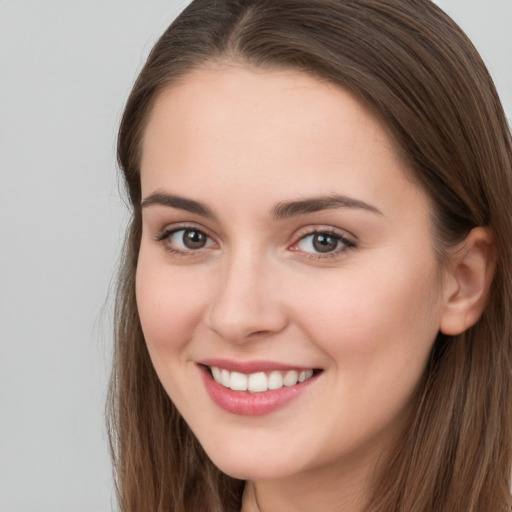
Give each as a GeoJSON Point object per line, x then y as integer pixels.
{"type": "Point", "coordinates": [246, 256]}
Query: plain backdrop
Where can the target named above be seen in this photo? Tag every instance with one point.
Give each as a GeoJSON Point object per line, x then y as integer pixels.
{"type": "Point", "coordinates": [66, 68]}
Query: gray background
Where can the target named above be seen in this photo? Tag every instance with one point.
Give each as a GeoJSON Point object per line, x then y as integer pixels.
{"type": "Point", "coordinates": [65, 71]}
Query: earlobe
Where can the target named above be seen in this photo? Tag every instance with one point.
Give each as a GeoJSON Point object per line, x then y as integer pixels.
{"type": "Point", "coordinates": [468, 281]}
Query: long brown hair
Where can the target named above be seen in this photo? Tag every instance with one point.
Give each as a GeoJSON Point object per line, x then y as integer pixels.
{"type": "Point", "coordinates": [412, 65]}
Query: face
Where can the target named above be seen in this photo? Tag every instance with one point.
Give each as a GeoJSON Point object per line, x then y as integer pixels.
{"type": "Point", "coordinates": [287, 284]}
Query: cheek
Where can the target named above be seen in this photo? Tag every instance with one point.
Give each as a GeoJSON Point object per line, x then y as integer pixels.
{"type": "Point", "coordinates": [378, 324]}
{"type": "Point", "coordinates": [378, 338]}
{"type": "Point", "coordinates": [169, 306]}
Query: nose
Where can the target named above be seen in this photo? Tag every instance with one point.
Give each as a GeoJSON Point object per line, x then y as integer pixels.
{"type": "Point", "coordinates": [247, 301]}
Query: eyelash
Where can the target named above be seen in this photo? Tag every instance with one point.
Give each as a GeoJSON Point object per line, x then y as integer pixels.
{"type": "Point", "coordinates": [346, 243]}
{"type": "Point", "coordinates": [164, 236]}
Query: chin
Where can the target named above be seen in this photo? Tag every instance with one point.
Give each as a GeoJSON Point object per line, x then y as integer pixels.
{"type": "Point", "coordinates": [252, 463]}
{"type": "Point", "coordinates": [250, 470]}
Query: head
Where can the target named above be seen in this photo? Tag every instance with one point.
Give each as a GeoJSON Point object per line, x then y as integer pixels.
{"type": "Point", "coordinates": [414, 79]}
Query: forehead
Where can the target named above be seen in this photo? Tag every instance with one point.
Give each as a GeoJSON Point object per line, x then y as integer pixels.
{"type": "Point", "coordinates": [229, 129]}
{"type": "Point", "coordinates": [230, 96]}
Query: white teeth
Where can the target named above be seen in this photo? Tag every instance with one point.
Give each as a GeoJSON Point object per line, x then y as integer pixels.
{"type": "Point", "coordinates": [259, 381]}
{"type": "Point", "coordinates": [291, 378]}
{"type": "Point", "coordinates": [275, 380]}
{"type": "Point", "coordinates": [305, 375]}
{"type": "Point", "coordinates": [216, 373]}
{"type": "Point", "coordinates": [238, 381]}
{"type": "Point", "coordinates": [225, 378]}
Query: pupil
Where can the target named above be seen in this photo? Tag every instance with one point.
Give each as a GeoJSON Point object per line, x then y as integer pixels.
{"type": "Point", "coordinates": [325, 243]}
{"type": "Point", "coordinates": [194, 239]}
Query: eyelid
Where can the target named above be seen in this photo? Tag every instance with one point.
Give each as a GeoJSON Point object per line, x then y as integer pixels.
{"type": "Point", "coordinates": [172, 228]}
{"type": "Point", "coordinates": [324, 228]}
{"type": "Point", "coordinates": [162, 235]}
{"type": "Point", "coordinates": [347, 240]}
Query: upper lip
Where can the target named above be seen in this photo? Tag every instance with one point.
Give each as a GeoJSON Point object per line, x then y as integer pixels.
{"type": "Point", "coordinates": [248, 367]}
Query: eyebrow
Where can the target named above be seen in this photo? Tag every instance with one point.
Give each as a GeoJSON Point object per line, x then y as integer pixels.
{"type": "Point", "coordinates": [172, 201]}
{"type": "Point", "coordinates": [316, 204]}
{"type": "Point", "coordinates": [281, 211]}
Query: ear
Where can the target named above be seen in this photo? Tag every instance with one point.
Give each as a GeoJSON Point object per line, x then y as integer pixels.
{"type": "Point", "coordinates": [468, 281]}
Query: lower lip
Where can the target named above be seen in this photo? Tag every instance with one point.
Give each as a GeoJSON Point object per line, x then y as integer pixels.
{"type": "Point", "coordinates": [251, 404]}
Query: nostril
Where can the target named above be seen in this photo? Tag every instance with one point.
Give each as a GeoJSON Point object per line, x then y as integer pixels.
{"type": "Point", "coordinates": [260, 333]}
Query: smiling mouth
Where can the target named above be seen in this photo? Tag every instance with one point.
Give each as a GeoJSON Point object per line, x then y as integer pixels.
{"type": "Point", "coordinates": [255, 388]}
{"type": "Point", "coordinates": [260, 382]}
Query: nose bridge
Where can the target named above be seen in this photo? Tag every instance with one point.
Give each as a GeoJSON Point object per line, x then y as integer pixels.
{"type": "Point", "coordinates": [246, 301]}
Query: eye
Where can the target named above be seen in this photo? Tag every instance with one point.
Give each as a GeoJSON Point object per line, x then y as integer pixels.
{"type": "Point", "coordinates": [185, 240]}
{"type": "Point", "coordinates": [323, 242]}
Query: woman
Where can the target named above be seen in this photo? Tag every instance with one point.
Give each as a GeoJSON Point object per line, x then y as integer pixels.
{"type": "Point", "coordinates": [314, 305]}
